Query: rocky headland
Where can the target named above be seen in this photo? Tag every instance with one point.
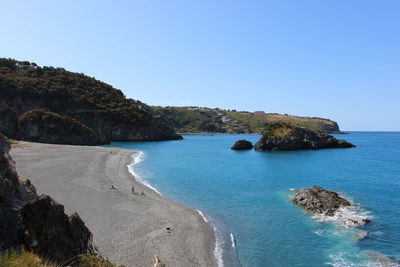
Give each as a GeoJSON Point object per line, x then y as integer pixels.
{"type": "Point", "coordinates": [242, 144]}
{"type": "Point", "coordinates": [317, 200]}
{"type": "Point", "coordinates": [286, 136]}
{"type": "Point", "coordinates": [105, 111]}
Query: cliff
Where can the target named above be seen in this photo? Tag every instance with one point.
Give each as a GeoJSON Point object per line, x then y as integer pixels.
{"type": "Point", "coordinates": [24, 86]}
{"type": "Point", "coordinates": [48, 127]}
{"type": "Point", "coordinates": [285, 136]}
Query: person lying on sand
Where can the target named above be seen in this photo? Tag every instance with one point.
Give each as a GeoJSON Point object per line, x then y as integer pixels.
{"type": "Point", "coordinates": [113, 187]}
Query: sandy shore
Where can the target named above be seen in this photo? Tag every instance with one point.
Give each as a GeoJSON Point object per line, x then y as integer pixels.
{"type": "Point", "coordinates": [128, 229]}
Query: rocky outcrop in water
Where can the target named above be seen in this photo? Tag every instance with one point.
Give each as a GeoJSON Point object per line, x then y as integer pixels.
{"type": "Point", "coordinates": [242, 145]}
{"type": "Point", "coordinates": [284, 136]}
{"type": "Point", "coordinates": [317, 200]}
{"type": "Point", "coordinates": [36, 223]}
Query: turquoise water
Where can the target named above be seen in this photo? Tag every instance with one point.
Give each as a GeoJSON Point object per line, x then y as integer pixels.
{"type": "Point", "coordinates": [246, 193]}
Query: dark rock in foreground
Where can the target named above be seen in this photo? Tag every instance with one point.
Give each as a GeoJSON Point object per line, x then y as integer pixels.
{"type": "Point", "coordinates": [284, 136]}
{"type": "Point", "coordinates": [49, 232]}
{"type": "Point", "coordinates": [242, 145]}
{"type": "Point", "coordinates": [37, 224]}
{"type": "Point", "coordinates": [317, 200]}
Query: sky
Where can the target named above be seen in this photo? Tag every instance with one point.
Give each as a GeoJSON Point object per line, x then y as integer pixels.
{"type": "Point", "coordinates": [336, 59]}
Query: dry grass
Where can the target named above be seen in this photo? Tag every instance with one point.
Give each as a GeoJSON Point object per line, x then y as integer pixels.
{"type": "Point", "coordinates": [28, 259]}
{"type": "Point", "coordinates": [22, 259]}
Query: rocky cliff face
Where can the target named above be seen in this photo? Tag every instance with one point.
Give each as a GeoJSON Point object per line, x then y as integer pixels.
{"type": "Point", "coordinates": [48, 127]}
{"type": "Point", "coordinates": [284, 136]}
{"type": "Point", "coordinates": [36, 223]}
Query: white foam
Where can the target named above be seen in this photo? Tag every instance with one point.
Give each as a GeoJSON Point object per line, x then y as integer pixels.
{"type": "Point", "coordinates": [319, 232]}
{"type": "Point", "coordinates": [218, 249]}
{"type": "Point", "coordinates": [233, 240]}
{"type": "Point", "coordinates": [202, 215]}
{"type": "Point", "coordinates": [137, 157]}
{"type": "Point", "coordinates": [345, 216]}
{"type": "Point", "coordinates": [339, 260]}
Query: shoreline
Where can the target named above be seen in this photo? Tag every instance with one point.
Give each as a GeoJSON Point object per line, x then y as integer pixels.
{"type": "Point", "coordinates": [218, 235]}
{"type": "Point", "coordinates": [127, 228]}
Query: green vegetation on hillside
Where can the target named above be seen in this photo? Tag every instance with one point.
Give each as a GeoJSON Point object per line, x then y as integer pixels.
{"type": "Point", "coordinates": [256, 122]}
{"type": "Point", "coordinates": [203, 120]}
{"type": "Point", "coordinates": [190, 120]}
{"type": "Point", "coordinates": [70, 90]}
{"type": "Point", "coordinates": [113, 117]}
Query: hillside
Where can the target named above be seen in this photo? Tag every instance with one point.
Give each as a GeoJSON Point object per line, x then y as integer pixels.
{"type": "Point", "coordinates": [25, 86]}
{"type": "Point", "coordinates": [203, 120]}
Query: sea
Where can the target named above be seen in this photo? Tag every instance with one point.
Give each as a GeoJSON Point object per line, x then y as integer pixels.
{"type": "Point", "coordinates": [245, 196]}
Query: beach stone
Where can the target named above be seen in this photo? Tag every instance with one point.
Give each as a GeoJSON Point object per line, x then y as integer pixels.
{"type": "Point", "coordinates": [242, 145]}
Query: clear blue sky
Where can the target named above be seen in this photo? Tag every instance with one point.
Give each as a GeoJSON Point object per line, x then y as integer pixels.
{"type": "Point", "coordinates": [334, 59]}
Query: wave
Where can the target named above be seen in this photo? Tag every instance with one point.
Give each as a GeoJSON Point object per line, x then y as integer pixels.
{"type": "Point", "coordinates": [342, 260]}
{"type": "Point", "coordinates": [218, 241]}
{"type": "Point", "coordinates": [202, 215]}
{"type": "Point", "coordinates": [233, 241]}
{"type": "Point", "coordinates": [218, 248]}
{"type": "Point", "coordinates": [137, 157]}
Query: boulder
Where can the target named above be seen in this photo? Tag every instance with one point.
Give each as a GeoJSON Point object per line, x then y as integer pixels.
{"type": "Point", "coordinates": [242, 145]}
{"type": "Point", "coordinates": [285, 136]}
{"type": "Point", "coordinates": [50, 233]}
{"type": "Point", "coordinates": [319, 200]}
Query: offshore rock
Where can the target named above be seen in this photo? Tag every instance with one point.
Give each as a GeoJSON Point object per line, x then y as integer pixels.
{"type": "Point", "coordinates": [285, 136]}
{"type": "Point", "coordinates": [319, 200]}
{"type": "Point", "coordinates": [242, 145]}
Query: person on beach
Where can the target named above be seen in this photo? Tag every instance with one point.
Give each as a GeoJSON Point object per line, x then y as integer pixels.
{"type": "Point", "coordinates": [113, 187]}
{"type": "Point", "coordinates": [158, 263]}
{"type": "Point", "coordinates": [133, 189]}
